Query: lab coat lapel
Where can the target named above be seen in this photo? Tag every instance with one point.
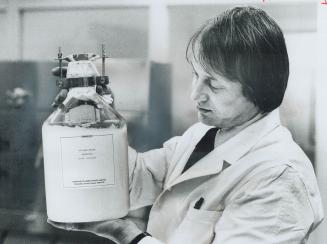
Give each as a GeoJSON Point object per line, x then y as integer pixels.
{"type": "Point", "coordinates": [189, 143]}
{"type": "Point", "coordinates": [229, 152]}
{"type": "Point", "coordinates": [208, 165]}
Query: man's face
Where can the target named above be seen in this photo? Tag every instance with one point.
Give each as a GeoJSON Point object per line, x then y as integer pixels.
{"type": "Point", "coordinates": [219, 101]}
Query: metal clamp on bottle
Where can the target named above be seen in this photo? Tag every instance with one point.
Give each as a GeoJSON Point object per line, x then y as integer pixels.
{"type": "Point", "coordinates": [67, 83]}
{"type": "Point", "coordinates": [88, 80]}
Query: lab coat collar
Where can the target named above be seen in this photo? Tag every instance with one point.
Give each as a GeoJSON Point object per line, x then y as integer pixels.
{"type": "Point", "coordinates": [234, 148]}
{"type": "Point", "coordinates": [230, 151]}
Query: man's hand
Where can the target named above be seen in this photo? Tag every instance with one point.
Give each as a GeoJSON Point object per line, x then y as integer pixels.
{"type": "Point", "coordinates": [120, 231]}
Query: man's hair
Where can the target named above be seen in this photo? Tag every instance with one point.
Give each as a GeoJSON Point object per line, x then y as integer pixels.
{"type": "Point", "coordinates": [245, 45]}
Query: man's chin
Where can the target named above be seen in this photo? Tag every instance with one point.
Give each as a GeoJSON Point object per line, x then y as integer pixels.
{"type": "Point", "coordinates": [204, 119]}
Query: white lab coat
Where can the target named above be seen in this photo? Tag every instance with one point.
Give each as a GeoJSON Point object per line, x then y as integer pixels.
{"type": "Point", "coordinates": [258, 187]}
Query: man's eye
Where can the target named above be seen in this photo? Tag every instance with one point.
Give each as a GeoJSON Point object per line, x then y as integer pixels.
{"type": "Point", "coordinates": [213, 85]}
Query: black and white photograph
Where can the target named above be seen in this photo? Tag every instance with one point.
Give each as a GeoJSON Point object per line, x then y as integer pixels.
{"type": "Point", "coordinates": [163, 121]}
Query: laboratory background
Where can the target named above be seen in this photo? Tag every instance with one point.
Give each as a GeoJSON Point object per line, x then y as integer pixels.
{"type": "Point", "coordinates": [145, 41]}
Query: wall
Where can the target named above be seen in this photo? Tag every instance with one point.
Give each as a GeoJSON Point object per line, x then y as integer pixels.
{"type": "Point", "coordinates": [321, 115]}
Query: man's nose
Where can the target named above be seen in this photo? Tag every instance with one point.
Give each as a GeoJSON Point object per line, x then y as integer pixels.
{"type": "Point", "coordinates": [198, 92]}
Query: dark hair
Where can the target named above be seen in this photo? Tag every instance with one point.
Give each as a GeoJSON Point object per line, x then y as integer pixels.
{"type": "Point", "coordinates": [244, 44]}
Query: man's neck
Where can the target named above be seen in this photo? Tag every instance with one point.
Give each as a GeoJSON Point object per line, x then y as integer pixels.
{"type": "Point", "coordinates": [225, 134]}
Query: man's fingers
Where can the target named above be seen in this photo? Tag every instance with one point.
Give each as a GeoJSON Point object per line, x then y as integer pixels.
{"type": "Point", "coordinates": [118, 230]}
{"type": "Point", "coordinates": [57, 224]}
{"type": "Point", "coordinates": [72, 226]}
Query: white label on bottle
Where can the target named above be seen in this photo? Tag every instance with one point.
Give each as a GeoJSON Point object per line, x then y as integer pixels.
{"type": "Point", "coordinates": [88, 161]}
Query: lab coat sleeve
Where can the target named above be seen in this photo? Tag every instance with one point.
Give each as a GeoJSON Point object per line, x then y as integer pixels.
{"type": "Point", "coordinates": [150, 240]}
{"type": "Point", "coordinates": [147, 172]}
{"type": "Point", "coordinates": [273, 207]}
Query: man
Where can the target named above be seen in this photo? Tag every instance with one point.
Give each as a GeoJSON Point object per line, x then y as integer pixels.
{"type": "Point", "coordinates": [237, 176]}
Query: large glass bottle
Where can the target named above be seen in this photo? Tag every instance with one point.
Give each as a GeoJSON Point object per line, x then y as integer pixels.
{"type": "Point", "coordinates": [85, 152]}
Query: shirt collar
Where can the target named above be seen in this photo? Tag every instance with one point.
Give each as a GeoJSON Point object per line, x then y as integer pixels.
{"type": "Point", "coordinates": [238, 145]}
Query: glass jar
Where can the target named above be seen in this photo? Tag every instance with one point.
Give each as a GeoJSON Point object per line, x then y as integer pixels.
{"type": "Point", "coordinates": [85, 155]}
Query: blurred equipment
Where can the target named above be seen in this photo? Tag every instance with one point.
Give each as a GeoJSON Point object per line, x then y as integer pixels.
{"type": "Point", "coordinates": [17, 97]}
{"type": "Point", "coordinates": [85, 149]}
